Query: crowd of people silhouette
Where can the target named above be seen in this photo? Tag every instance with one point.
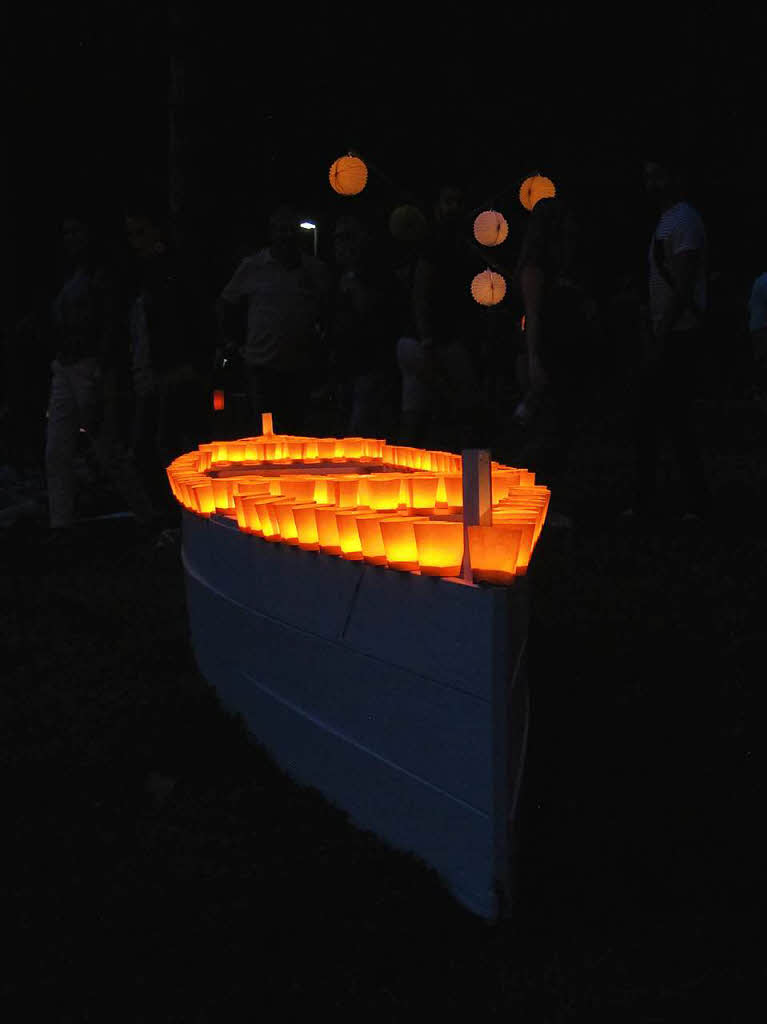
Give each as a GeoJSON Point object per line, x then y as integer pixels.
{"type": "Point", "coordinates": [379, 336]}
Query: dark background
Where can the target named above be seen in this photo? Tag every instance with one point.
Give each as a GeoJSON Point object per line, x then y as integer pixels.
{"type": "Point", "coordinates": [263, 102]}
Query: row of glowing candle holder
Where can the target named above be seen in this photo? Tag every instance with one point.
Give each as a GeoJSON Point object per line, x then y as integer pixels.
{"type": "Point", "coordinates": [432, 544]}
{"type": "Point", "coordinates": [410, 522]}
{"type": "Point", "coordinates": [282, 449]}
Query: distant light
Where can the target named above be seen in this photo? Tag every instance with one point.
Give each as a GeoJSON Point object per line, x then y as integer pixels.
{"type": "Point", "coordinates": [307, 225]}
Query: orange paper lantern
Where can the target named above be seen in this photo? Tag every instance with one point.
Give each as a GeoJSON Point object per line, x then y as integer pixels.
{"type": "Point", "coordinates": [305, 518]}
{"type": "Point", "coordinates": [399, 542]}
{"type": "Point", "coordinates": [491, 228]}
{"type": "Point", "coordinates": [534, 188]}
{"type": "Point", "coordinates": [371, 539]}
{"type": "Point", "coordinates": [493, 551]}
{"type": "Point", "coordinates": [488, 288]}
{"type": "Point", "coordinates": [348, 175]}
{"type": "Point", "coordinates": [440, 547]}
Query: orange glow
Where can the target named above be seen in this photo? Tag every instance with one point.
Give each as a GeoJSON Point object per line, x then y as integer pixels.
{"type": "Point", "coordinates": [348, 491]}
{"type": "Point", "coordinates": [223, 492]}
{"type": "Point", "coordinates": [354, 447]}
{"type": "Point", "coordinates": [454, 490]}
{"type": "Point", "coordinates": [491, 228]}
{"type": "Point", "coordinates": [202, 498]}
{"type": "Point", "coordinates": [276, 451]}
{"type": "Point", "coordinates": [527, 522]}
{"type": "Point", "coordinates": [348, 175]}
{"type": "Point", "coordinates": [252, 486]}
{"type": "Point", "coordinates": [534, 188]}
{"type": "Point", "coordinates": [386, 517]}
{"type": "Point", "coordinates": [299, 487]}
{"type": "Point", "coordinates": [371, 539]}
{"type": "Point", "coordinates": [383, 492]}
{"type": "Point", "coordinates": [254, 452]}
{"type": "Point", "coordinates": [286, 522]}
{"type": "Point", "coordinates": [218, 400]}
{"type": "Point", "coordinates": [439, 547]}
{"type": "Point", "coordinates": [421, 491]}
{"type": "Point", "coordinates": [325, 490]}
{"type": "Point", "coordinates": [493, 551]}
{"type": "Point", "coordinates": [488, 288]}
{"type": "Point", "coordinates": [267, 424]}
{"type": "Point", "coordinates": [327, 530]}
{"type": "Point", "coordinates": [242, 519]}
{"type": "Point", "coordinates": [399, 541]}
{"type": "Point", "coordinates": [270, 523]}
{"type": "Point", "coordinates": [348, 535]}
{"type": "Point", "coordinates": [305, 518]}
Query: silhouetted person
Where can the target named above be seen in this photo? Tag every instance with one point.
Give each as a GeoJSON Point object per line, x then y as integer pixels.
{"type": "Point", "coordinates": [559, 326]}
{"type": "Point", "coordinates": [677, 308]}
{"type": "Point", "coordinates": [285, 292]}
{"type": "Point", "coordinates": [84, 333]}
{"type": "Point", "coordinates": [441, 367]}
{"type": "Point", "coordinates": [171, 352]}
{"type": "Point", "coordinates": [363, 331]}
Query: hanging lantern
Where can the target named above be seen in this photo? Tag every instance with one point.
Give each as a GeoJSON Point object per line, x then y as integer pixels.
{"type": "Point", "coordinates": [491, 228]}
{"type": "Point", "coordinates": [218, 400]}
{"type": "Point", "coordinates": [534, 188]}
{"type": "Point", "coordinates": [488, 288]}
{"type": "Point", "coordinates": [348, 175]}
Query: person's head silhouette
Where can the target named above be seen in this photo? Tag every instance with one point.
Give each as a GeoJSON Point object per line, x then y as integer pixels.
{"type": "Point", "coordinates": [146, 231]}
{"type": "Point", "coordinates": [449, 205]}
{"type": "Point", "coordinates": [665, 178]}
{"type": "Point", "coordinates": [284, 236]}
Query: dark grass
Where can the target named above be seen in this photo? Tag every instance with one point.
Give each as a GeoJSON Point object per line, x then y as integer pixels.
{"type": "Point", "coordinates": [158, 867]}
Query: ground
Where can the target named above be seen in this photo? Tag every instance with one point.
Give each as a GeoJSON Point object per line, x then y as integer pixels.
{"type": "Point", "coordinates": [158, 867]}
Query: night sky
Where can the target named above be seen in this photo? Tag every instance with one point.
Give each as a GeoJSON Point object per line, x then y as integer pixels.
{"type": "Point", "coordinates": [479, 94]}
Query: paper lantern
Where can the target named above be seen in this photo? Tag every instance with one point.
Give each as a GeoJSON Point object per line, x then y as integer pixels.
{"type": "Point", "coordinates": [348, 175]}
{"type": "Point", "coordinates": [440, 547]}
{"type": "Point", "coordinates": [305, 518]}
{"type": "Point", "coordinates": [534, 188]}
{"type": "Point", "coordinates": [223, 492]}
{"type": "Point", "coordinates": [270, 524]}
{"type": "Point", "coordinates": [491, 228]}
{"type": "Point", "coordinates": [286, 522]}
{"type": "Point", "coordinates": [371, 539]}
{"type": "Point", "coordinates": [348, 491]}
{"type": "Point", "coordinates": [385, 518]}
{"type": "Point", "coordinates": [488, 288]}
{"type": "Point", "coordinates": [408, 224]}
{"type": "Point", "coordinates": [453, 483]}
{"type": "Point", "coordinates": [203, 498]}
{"type": "Point", "coordinates": [300, 487]}
{"type": "Point", "coordinates": [399, 542]}
{"type": "Point", "coordinates": [493, 551]}
{"type": "Point", "coordinates": [421, 491]}
{"type": "Point", "coordinates": [327, 530]}
{"type": "Point", "coordinates": [218, 400]}
{"type": "Point", "coordinates": [382, 493]}
{"type": "Point", "coordinates": [526, 522]}
{"type": "Point", "coordinates": [348, 535]}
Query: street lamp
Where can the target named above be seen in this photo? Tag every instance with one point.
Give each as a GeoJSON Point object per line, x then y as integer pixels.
{"type": "Point", "coordinates": [309, 225]}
